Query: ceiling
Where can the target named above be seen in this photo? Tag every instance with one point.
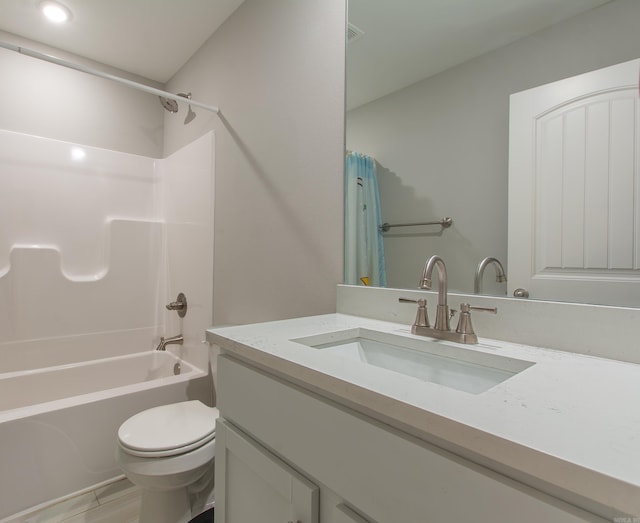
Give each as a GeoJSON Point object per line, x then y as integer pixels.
{"type": "Point", "coordinates": [404, 41]}
{"type": "Point", "coordinates": [150, 38]}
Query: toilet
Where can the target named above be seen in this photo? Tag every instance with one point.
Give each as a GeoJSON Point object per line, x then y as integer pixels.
{"type": "Point", "coordinates": [169, 452]}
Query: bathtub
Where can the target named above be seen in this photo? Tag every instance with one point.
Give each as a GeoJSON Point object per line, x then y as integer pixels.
{"type": "Point", "coordinates": [58, 424]}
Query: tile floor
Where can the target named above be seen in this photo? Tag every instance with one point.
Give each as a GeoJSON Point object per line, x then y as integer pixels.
{"type": "Point", "coordinates": [118, 502]}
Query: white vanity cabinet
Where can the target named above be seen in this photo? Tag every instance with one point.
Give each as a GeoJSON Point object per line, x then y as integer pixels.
{"type": "Point", "coordinates": [274, 433]}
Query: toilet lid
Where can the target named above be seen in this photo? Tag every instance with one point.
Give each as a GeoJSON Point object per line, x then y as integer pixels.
{"type": "Point", "coordinates": [176, 427]}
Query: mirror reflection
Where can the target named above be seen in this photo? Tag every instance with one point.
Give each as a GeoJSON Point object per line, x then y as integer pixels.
{"type": "Point", "coordinates": [428, 100]}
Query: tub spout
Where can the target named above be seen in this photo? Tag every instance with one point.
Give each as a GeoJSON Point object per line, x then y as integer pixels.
{"type": "Point", "coordinates": [173, 340]}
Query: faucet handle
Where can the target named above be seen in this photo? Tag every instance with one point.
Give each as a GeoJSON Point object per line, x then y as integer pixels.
{"type": "Point", "coordinates": [464, 322]}
{"type": "Point", "coordinates": [466, 307]}
{"type": "Point", "coordinates": [180, 305]}
{"type": "Point", "coordinates": [422, 318]}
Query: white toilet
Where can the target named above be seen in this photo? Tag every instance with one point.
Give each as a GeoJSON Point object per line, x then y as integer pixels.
{"type": "Point", "coordinates": [169, 451]}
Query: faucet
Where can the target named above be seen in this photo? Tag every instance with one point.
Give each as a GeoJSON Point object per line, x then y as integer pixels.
{"type": "Point", "coordinates": [180, 305]}
{"type": "Point", "coordinates": [441, 330]}
{"type": "Point", "coordinates": [500, 275]}
{"type": "Point", "coordinates": [173, 340]}
{"type": "Point", "coordinates": [442, 310]}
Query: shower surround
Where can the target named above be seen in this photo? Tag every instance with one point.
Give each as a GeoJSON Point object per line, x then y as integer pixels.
{"type": "Point", "coordinates": [93, 243]}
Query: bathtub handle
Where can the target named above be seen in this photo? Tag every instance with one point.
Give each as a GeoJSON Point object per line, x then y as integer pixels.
{"type": "Point", "coordinates": [180, 305]}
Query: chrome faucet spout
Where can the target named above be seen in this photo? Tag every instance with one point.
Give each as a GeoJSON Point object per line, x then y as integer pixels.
{"type": "Point", "coordinates": [442, 310]}
{"type": "Point", "coordinates": [173, 340]}
{"type": "Point", "coordinates": [500, 274]}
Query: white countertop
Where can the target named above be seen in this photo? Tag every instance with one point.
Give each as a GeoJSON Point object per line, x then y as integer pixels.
{"type": "Point", "coordinates": [568, 425]}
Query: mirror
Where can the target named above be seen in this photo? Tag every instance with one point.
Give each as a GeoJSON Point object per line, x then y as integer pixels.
{"type": "Point", "coordinates": [428, 87]}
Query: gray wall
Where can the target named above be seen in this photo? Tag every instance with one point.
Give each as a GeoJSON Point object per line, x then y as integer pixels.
{"type": "Point", "coordinates": [48, 100]}
{"type": "Point", "coordinates": [276, 70]}
{"type": "Point", "coordinates": [442, 144]}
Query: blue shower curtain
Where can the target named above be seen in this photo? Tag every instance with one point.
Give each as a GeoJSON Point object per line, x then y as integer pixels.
{"type": "Point", "coordinates": [364, 252]}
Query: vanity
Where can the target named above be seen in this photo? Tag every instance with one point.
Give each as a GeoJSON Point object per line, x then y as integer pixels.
{"type": "Point", "coordinates": [351, 418]}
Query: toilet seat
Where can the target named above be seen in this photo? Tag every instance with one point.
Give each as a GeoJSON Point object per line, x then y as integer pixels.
{"type": "Point", "coordinates": [168, 430]}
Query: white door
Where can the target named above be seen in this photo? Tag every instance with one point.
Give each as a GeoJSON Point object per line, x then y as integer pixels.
{"type": "Point", "coordinates": [574, 218]}
{"type": "Point", "coordinates": [253, 484]}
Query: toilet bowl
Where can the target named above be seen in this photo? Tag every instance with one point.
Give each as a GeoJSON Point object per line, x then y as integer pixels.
{"type": "Point", "coordinates": [169, 452]}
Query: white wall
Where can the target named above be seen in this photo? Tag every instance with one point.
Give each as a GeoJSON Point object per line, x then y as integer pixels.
{"type": "Point", "coordinates": [276, 70]}
{"type": "Point", "coordinates": [442, 143]}
{"type": "Point", "coordinates": [84, 247]}
{"type": "Point", "coordinates": [187, 182]}
{"type": "Point", "coordinates": [48, 100]}
{"type": "Point", "coordinates": [80, 248]}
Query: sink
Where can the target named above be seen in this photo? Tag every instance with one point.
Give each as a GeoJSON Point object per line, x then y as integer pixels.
{"type": "Point", "coordinates": [435, 361]}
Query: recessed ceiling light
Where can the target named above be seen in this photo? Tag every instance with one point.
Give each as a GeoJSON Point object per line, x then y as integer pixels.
{"type": "Point", "coordinates": [55, 12]}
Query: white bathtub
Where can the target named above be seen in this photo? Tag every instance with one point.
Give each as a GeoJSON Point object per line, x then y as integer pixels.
{"type": "Point", "coordinates": [58, 424]}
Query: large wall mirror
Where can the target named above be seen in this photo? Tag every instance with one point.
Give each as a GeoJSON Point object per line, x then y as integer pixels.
{"type": "Point", "coordinates": [428, 100]}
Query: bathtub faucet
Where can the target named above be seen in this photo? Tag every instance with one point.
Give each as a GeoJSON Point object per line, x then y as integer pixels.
{"type": "Point", "coordinates": [173, 340]}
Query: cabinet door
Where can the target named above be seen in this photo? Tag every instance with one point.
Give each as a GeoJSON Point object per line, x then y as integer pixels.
{"type": "Point", "coordinates": [252, 484]}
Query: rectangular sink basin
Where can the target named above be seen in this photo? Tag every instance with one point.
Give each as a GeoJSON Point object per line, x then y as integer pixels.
{"type": "Point", "coordinates": [439, 362]}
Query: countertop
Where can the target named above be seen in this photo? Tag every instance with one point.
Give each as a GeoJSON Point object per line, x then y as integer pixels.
{"type": "Point", "coordinates": [568, 425]}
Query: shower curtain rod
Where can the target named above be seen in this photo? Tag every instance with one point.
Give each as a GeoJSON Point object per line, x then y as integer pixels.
{"type": "Point", "coordinates": [96, 72]}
